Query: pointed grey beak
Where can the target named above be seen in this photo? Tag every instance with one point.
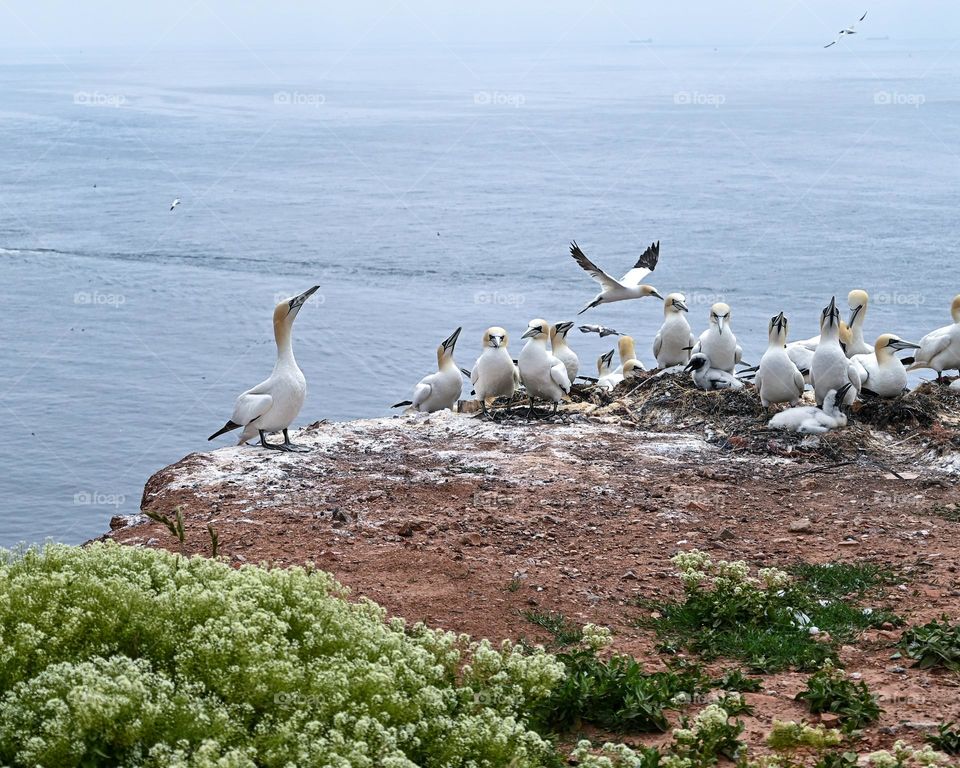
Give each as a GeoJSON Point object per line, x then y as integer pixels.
{"type": "Point", "coordinates": [533, 330]}
{"type": "Point", "coordinates": [900, 344]}
{"type": "Point", "coordinates": [720, 322]}
{"type": "Point", "coordinates": [853, 314]}
{"type": "Point", "coordinates": [298, 301]}
{"type": "Point", "coordinates": [680, 305]}
{"type": "Point", "coordinates": [655, 292]}
{"type": "Point", "coordinates": [451, 341]}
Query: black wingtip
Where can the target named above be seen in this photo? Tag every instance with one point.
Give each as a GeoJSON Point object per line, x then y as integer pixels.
{"type": "Point", "coordinates": [650, 257]}
{"type": "Point", "coordinates": [402, 403]}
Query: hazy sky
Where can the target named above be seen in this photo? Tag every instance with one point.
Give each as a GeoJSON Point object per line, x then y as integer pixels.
{"type": "Point", "coordinates": [285, 23]}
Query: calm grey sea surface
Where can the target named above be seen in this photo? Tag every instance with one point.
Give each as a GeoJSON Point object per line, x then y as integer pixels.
{"type": "Point", "coordinates": [422, 190]}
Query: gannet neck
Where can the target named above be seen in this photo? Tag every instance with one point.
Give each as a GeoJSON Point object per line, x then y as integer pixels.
{"type": "Point", "coordinates": [955, 309]}
{"type": "Point", "coordinates": [627, 349]}
{"type": "Point", "coordinates": [284, 338]}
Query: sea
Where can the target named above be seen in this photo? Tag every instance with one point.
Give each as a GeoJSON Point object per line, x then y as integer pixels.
{"type": "Point", "coordinates": [425, 188]}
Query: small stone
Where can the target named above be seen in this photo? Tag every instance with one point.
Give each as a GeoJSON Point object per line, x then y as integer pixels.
{"type": "Point", "coordinates": [849, 543]}
{"type": "Point", "coordinates": [727, 535]}
{"type": "Point", "coordinates": [887, 626]}
{"type": "Point", "coordinates": [629, 576]}
{"type": "Point", "coordinates": [801, 525]}
{"type": "Point", "coordinates": [829, 719]}
{"type": "Point", "coordinates": [472, 539]}
{"type": "Point", "coordinates": [339, 516]}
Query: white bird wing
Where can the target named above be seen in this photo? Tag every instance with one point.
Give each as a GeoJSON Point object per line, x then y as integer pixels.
{"type": "Point", "coordinates": [592, 269]}
{"type": "Point", "coordinates": [657, 343]}
{"type": "Point", "coordinates": [558, 372]}
{"type": "Point", "coordinates": [250, 406]}
{"type": "Point", "coordinates": [738, 355]}
{"type": "Point", "coordinates": [798, 380]}
{"type": "Point", "coordinates": [644, 266]}
{"type": "Point", "coordinates": [422, 391]}
{"type": "Point", "coordinates": [853, 376]}
{"type": "Point", "coordinates": [475, 373]}
{"type": "Point", "coordinates": [931, 345]}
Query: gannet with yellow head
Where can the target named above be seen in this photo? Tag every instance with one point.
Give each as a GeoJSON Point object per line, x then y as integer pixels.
{"type": "Point", "coordinates": [272, 405]}
{"type": "Point", "coordinates": [830, 368]}
{"type": "Point", "coordinates": [778, 379]}
{"type": "Point", "coordinates": [718, 342]}
{"type": "Point", "coordinates": [674, 340]}
{"type": "Point", "coordinates": [543, 374]}
{"type": "Point", "coordinates": [628, 286]}
{"type": "Point", "coordinates": [494, 374]}
{"type": "Point", "coordinates": [561, 349]}
{"type": "Point", "coordinates": [881, 372]}
{"type": "Point", "coordinates": [627, 350]}
{"type": "Point", "coordinates": [608, 381]}
{"type": "Point", "coordinates": [442, 389]}
{"type": "Point", "coordinates": [940, 349]}
{"type": "Point", "coordinates": [857, 300]}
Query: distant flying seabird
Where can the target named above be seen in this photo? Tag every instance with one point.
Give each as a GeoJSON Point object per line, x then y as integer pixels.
{"type": "Point", "coordinates": [175, 203]}
{"type": "Point", "coordinates": [601, 329]}
{"type": "Point", "coordinates": [851, 30]}
{"type": "Point", "coordinates": [628, 286]}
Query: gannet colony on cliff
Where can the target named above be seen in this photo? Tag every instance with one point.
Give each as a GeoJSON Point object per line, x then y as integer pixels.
{"type": "Point", "coordinates": [836, 368]}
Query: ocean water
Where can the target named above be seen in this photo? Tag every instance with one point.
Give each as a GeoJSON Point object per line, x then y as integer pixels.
{"type": "Point", "coordinates": [424, 189]}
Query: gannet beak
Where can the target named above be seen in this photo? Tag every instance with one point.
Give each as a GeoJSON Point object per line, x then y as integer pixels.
{"type": "Point", "coordinates": [680, 305]}
{"type": "Point", "coordinates": [495, 340]}
{"type": "Point", "coordinates": [833, 309]}
{"type": "Point", "coordinates": [900, 344]}
{"type": "Point", "coordinates": [451, 341]}
{"type": "Point", "coordinates": [298, 301]}
{"type": "Point", "coordinates": [853, 314]}
{"type": "Point", "coordinates": [720, 324]}
{"type": "Point", "coordinates": [842, 392]}
{"type": "Point", "coordinates": [655, 292]}
{"type": "Point", "coordinates": [533, 330]}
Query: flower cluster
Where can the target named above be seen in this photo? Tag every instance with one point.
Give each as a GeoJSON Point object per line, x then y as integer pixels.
{"type": "Point", "coordinates": [903, 755]}
{"type": "Point", "coordinates": [697, 569]}
{"type": "Point", "coordinates": [596, 637]}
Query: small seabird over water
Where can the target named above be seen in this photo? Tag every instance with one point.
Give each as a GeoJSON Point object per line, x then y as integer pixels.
{"type": "Point", "coordinates": [175, 203]}
{"type": "Point", "coordinates": [600, 329]}
{"type": "Point", "coordinates": [494, 374]}
{"type": "Point", "coordinates": [674, 340]}
{"type": "Point", "coordinates": [272, 405]}
{"type": "Point", "coordinates": [442, 389]}
{"type": "Point", "coordinates": [829, 368]}
{"type": "Point", "coordinates": [710, 379]}
{"type": "Point", "coordinates": [628, 286]}
{"type": "Point", "coordinates": [857, 300]}
{"type": "Point", "coordinates": [562, 351]}
{"type": "Point", "coordinates": [940, 349]}
{"type": "Point", "coordinates": [718, 342]}
{"type": "Point", "coordinates": [808, 420]}
{"type": "Point", "coordinates": [851, 30]}
{"type": "Point", "coordinates": [778, 379]}
{"type": "Point", "coordinates": [881, 373]}
{"type": "Point", "coordinates": [542, 373]}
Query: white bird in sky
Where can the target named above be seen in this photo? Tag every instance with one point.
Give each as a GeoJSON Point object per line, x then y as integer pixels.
{"type": "Point", "coordinates": [442, 389]}
{"type": "Point", "coordinates": [851, 30]}
{"type": "Point", "coordinates": [273, 404]}
{"type": "Point", "coordinates": [175, 203]}
{"type": "Point", "coordinates": [628, 286]}
{"type": "Point", "coordinates": [602, 330]}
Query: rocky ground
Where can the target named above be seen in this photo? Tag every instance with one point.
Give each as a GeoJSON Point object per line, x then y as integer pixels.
{"type": "Point", "coordinates": [467, 524]}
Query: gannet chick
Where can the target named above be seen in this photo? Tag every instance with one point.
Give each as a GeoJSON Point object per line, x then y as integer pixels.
{"type": "Point", "coordinates": [710, 379]}
{"type": "Point", "coordinates": [674, 340]}
{"type": "Point", "coordinates": [494, 374]}
{"type": "Point", "coordinates": [628, 286]}
{"type": "Point", "coordinates": [562, 351]}
{"type": "Point", "coordinates": [830, 368]}
{"type": "Point", "coordinates": [778, 379]}
{"type": "Point", "coordinates": [442, 389]}
{"type": "Point", "coordinates": [600, 329]}
{"type": "Point", "coordinates": [881, 372]}
{"type": "Point", "coordinates": [628, 353]}
{"type": "Point", "coordinates": [808, 420]}
{"type": "Point", "coordinates": [272, 405]}
{"type": "Point", "coordinates": [718, 342]}
{"type": "Point", "coordinates": [940, 349]}
{"type": "Point", "coordinates": [542, 373]}
{"type": "Point", "coordinates": [857, 300]}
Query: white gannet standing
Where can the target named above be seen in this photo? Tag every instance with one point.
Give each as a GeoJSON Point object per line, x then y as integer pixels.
{"type": "Point", "coordinates": [674, 340]}
{"type": "Point", "coordinates": [442, 389]}
{"type": "Point", "coordinates": [830, 368]}
{"type": "Point", "coordinates": [628, 353]}
{"type": "Point", "coordinates": [851, 30]}
{"type": "Point", "coordinates": [599, 329]}
{"type": "Point", "coordinates": [494, 374]}
{"type": "Point", "coordinates": [543, 374]}
{"type": "Point", "coordinates": [272, 405]}
{"type": "Point", "coordinates": [175, 203]}
{"type": "Point", "coordinates": [857, 300]}
{"type": "Point", "coordinates": [809, 420]}
{"type": "Point", "coordinates": [562, 351]}
{"type": "Point", "coordinates": [718, 342]}
{"type": "Point", "coordinates": [778, 379]}
{"type": "Point", "coordinates": [881, 372]}
{"type": "Point", "coordinates": [801, 352]}
{"type": "Point", "coordinates": [628, 286]}
{"type": "Point", "coordinates": [940, 349]}
{"type": "Point", "coordinates": [710, 379]}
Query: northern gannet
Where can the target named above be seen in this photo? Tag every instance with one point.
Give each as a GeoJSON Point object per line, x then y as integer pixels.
{"type": "Point", "coordinates": [605, 370]}
{"type": "Point", "coordinates": [778, 378]}
{"type": "Point", "coordinates": [851, 30]}
{"type": "Point", "coordinates": [808, 420]}
{"type": "Point", "coordinates": [562, 351]}
{"type": "Point", "coordinates": [175, 203]}
{"type": "Point", "coordinates": [718, 342]}
{"type": "Point", "coordinates": [273, 404]}
{"type": "Point", "coordinates": [829, 367]}
{"type": "Point", "coordinates": [628, 286]}
{"type": "Point", "coordinates": [543, 375]}
{"type": "Point", "coordinates": [940, 349]}
{"type": "Point", "coordinates": [881, 372]}
{"type": "Point", "coordinates": [609, 379]}
{"type": "Point", "coordinates": [600, 329]}
{"type": "Point", "coordinates": [710, 379]}
{"type": "Point", "coordinates": [628, 354]}
{"type": "Point", "coordinates": [674, 340]}
{"type": "Point", "coordinates": [442, 389]}
{"type": "Point", "coordinates": [494, 374]}
{"type": "Point", "coordinates": [857, 300]}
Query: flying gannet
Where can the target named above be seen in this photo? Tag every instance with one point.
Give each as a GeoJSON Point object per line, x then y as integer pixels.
{"type": "Point", "coordinates": [778, 379]}
{"type": "Point", "coordinates": [543, 375]}
{"type": "Point", "coordinates": [710, 379]}
{"type": "Point", "coordinates": [494, 374]}
{"type": "Point", "coordinates": [851, 30]}
{"type": "Point", "coordinates": [600, 329]}
{"type": "Point", "coordinates": [940, 349]}
{"type": "Point", "coordinates": [857, 300]}
{"type": "Point", "coordinates": [562, 351]}
{"type": "Point", "coordinates": [718, 342]}
{"type": "Point", "coordinates": [442, 389]}
{"type": "Point", "coordinates": [272, 405]}
{"type": "Point", "coordinates": [175, 203]}
{"type": "Point", "coordinates": [628, 286]}
{"type": "Point", "coordinates": [881, 373]}
{"type": "Point", "coordinates": [809, 420]}
{"type": "Point", "coordinates": [674, 340]}
{"type": "Point", "coordinates": [830, 368]}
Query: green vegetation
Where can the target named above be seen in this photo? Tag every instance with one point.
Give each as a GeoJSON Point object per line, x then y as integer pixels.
{"type": "Point", "coordinates": [830, 690]}
{"type": "Point", "coordinates": [564, 631]}
{"type": "Point", "coordinates": [946, 739]}
{"type": "Point", "coordinates": [936, 644]}
{"type": "Point", "coordinates": [772, 621]}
